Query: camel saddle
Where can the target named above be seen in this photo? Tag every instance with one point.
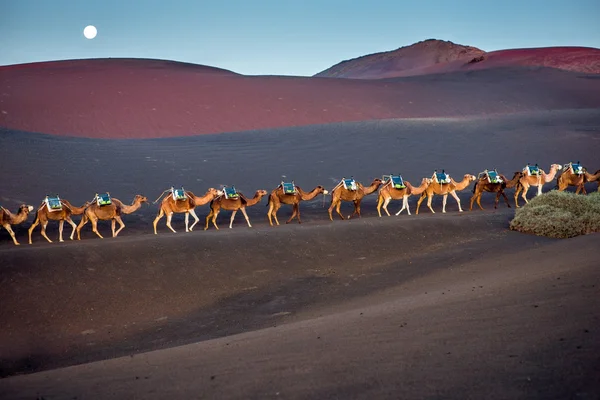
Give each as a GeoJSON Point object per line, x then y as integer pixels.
{"type": "Point", "coordinates": [178, 194]}
{"type": "Point", "coordinates": [395, 180]}
{"type": "Point", "coordinates": [349, 184]}
{"type": "Point", "coordinates": [532, 170]}
{"type": "Point", "coordinates": [103, 199]}
{"type": "Point", "coordinates": [441, 177]}
{"type": "Point", "coordinates": [230, 193]}
{"type": "Point", "coordinates": [53, 203]}
{"type": "Point", "coordinates": [288, 187]}
{"type": "Point", "coordinates": [492, 176]}
{"type": "Point", "coordinates": [576, 169]}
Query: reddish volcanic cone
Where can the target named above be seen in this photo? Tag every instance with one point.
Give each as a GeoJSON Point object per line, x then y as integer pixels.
{"type": "Point", "coordinates": [405, 61]}
{"type": "Point", "coordinates": [436, 56]}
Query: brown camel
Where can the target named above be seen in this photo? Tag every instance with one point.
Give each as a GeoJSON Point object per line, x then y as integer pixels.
{"type": "Point", "coordinates": [113, 211]}
{"type": "Point", "coordinates": [388, 192]}
{"type": "Point", "coordinates": [278, 197]}
{"type": "Point", "coordinates": [64, 210]}
{"type": "Point", "coordinates": [572, 175]}
{"type": "Point", "coordinates": [341, 193]}
{"type": "Point", "coordinates": [497, 186]}
{"type": "Point", "coordinates": [593, 178]}
{"type": "Point", "coordinates": [185, 204]}
{"type": "Point", "coordinates": [234, 203]}
{"type": "Point", "coordinates": [7, 219]}
{"type": "Point", "coordinates": [443, 188]}
{"type": "Point", "coordinates": [538, 180]}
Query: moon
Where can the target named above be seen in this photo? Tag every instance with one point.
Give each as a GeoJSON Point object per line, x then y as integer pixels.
{"type": "Point", "coordinates": [90, 31]}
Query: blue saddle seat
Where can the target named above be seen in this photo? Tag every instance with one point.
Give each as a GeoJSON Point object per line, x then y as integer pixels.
{"type": "Point", "coordinates": [349, 183]}
{"type": "Point", "coordinates": [53, 203]}
{"type": "Point", "coordinates": [442, 177]}
{"type": "Point", "coordinates": [577, 169]}
{"type": "Point", "coordinates": [179, 194]}
{"type": "Point", "coordinates": [532, 170]}
{"type": "Point", "coordinates": [103, 199]}
{"type": "Point", "coordinates": [288, 187]}
{"type": "Point", "coordinates": [397, 181]}
{"type": "Point", "coordinates": [230, 192]}
{"type": "Point", "coordinates": [493, 177]}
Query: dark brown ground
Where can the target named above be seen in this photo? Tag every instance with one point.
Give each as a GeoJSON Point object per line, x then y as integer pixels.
{"type": "Point", "coordinates": [427, 306]}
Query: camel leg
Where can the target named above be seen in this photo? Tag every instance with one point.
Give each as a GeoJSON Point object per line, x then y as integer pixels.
{"type": "Point", "coordinates": [380, 201]}
{"type": "Point", "coordinates": [330, 210]}
{"type": "Point", "coordinates": [357, 208]}
{"type": "Point", "coordinates": [121, 225]}
{"type": "Point", "coordinates": [524, 194]}
{"type": "Point", "coordinates": [70, 221]}
{"type": "Point", "coordinates": [420, 201]}
{"type": "Point", "coordinates": [429, 200]}
{"type": "Point", "coordinates": [158, 217]}
{"type": "Point", "coordinates": [232, 218]}
{"type": "Point", "coordinates": [12, 234]}
{"type": "Point", "coordinates": [112, 226]}
{"type": "Point", "coordinates": [246, 216]}
{"type": "Point", "coordinates": [275, 209]}
{"type": "Point", "coordinates": [208, 218]}
{"type": "Point", "coordinates": [84, 220]}
{"type": "Point", "coordinates": [385, 204]}
{"type": "Point", "coordinates": [338, 208]}
{"type": "Point", "coordinates": [94, 222]}
{"type": "Point", "coordinates": [270, 213]}
{"type": "Point", "coordinates": [196, 219]}
{"type": "Point", "coordinates": [43, 231]}
{"type": "Point", "coordinates": [187, 221]}
{"type": "Point", "coordinates": [539, 191]}
{"type": "Point", "coordinates": [295, 213]}
{"type": "Point", "coordinates": [453, 194]}
{"type": "Point", "coordinates": [169, 218]}
{"type": "Point", "coordinates": [32, 227]}
{"type": "Point", "coordinates": [505, 198]}
{"type": "Point", "coordinates": [61, 225]}
{"type": "Point", "coordinates": [405, 203]}
{"type": "Point", "coordinates": [214, 218]}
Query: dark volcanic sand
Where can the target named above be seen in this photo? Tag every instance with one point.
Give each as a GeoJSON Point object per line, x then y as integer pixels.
{"type": "Point", "coordinates": [452, 305]}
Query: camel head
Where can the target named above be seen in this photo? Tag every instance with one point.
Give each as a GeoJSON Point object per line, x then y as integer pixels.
{"type": "Point", "coordinates": [470, 178]}
{"type": "Point", "coordinates": [140, 198]}
{"type": "Point", "coordinates": [261, 193]}
{"type": "Point", "coordinates": [215, 192]}
{"type": "Point", "coordinates": [321, 189]}
{"type": "Point", "coordinates": [24, 208]}
{"type": "Point", "coordinates": [558, 167]}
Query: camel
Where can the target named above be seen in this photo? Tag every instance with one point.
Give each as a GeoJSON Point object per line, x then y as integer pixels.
{"type": "Point", "coordinates": [572, 175]}
{"type": "Point", "coordinates": [340, 193]}
{"type": "Point", "coordinates": [593, 178]}
{"type": "Point", "coordinates": [234, 204]}
{"type": "Point", "coordinates": [279, 197]}
{"type": "Point", "coordinates": [388, 192]}
{"type": "Point", "coordinates": [61, 215]}
{"type": "Point", "coordinates": [483, 184]}
{"type": "Point", "coordinates": [7, 219]}
{"type": "Point", "coordinates": [443, 189]}
{"type": "Point", "coordinates": [186, 204]}
{"type": "Point", "coordinates": [538, 180]}
{"type": "Point", "coordinates": [112, 212]}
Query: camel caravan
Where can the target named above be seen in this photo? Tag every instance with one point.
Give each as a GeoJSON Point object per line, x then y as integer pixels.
{"type": "Point", "coordinates": [104, 207]}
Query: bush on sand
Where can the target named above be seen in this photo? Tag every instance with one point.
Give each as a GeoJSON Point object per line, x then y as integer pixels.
{"type": "Point", "coordinates": [559, 215]}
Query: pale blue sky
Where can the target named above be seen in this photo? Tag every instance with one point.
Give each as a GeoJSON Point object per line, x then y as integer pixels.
{"type": "Point", "coordinates": [278, 36]}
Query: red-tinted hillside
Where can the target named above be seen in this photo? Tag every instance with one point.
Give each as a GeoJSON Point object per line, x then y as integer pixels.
{"type": "Point", "coordinates": [435, 56]}
{"type": "Point", "coordinates": [121, 98]}
{"type": "Point", "coordinates": [405, 61]}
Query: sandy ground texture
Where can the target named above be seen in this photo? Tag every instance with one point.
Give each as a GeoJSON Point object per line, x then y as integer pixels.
{"type": "Point", "coordinates": [453, 305]}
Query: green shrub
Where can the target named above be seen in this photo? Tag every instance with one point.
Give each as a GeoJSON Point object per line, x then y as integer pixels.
{"type": "Point", "coordinates": [559, 215]}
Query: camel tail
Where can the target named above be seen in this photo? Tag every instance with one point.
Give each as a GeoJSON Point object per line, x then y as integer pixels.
{"type": "Point", "coordinates": [475, 186]}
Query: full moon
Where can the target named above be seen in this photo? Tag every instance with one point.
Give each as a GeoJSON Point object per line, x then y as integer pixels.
{"type": "Point", "coordinates": [90, 31]}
